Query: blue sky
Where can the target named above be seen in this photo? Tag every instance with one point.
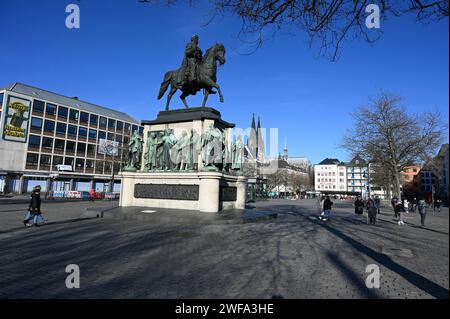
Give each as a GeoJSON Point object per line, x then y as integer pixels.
{"type": "Point", "coordinates": [122, 50]}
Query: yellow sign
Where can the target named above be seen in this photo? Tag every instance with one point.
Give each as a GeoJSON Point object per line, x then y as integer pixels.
{"type": "Point", "coordinates": [17, 115]}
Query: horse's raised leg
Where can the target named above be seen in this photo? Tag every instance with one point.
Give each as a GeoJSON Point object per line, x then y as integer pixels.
{"type": "Point", "coordinates": [213, 84]}
{"type": "Point", "coordinates": [205, 98]}
{"type": "Point", "coordinates": [169, 96]}
{"type": "Point", "coordinates": [183, 98]}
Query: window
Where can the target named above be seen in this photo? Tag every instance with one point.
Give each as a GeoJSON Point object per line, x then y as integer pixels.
{"type": "Point", "coordinates": [82, 131]}
{"type": "Point", "coordinates": [79, 164]}
{"type": "Point", "coordinates": [81, 149]}
{"type": "Point", "coordinates": [93, 120]}
{"type": "Point", "coordinates": [70, 147]}
{"type": "Point", "coordinates": [50, 109]}
{"type": "Point", "coordinates": [119, 125]}
{"type": "Point", "coordinates": [91, 149]}
{"type": "Point", "coordinates": [119, 138]}
{"type": "Point", "coordinates": [61, 128]}
{"type": "Point", "coordinates": [59, 145]}
{"type": "Point", "coordinates": [1, 100]}
{"type": "Point", "coordinates": [84, 117]}
{"type": "Point", "coordinates": [73, 115]}
{"type": "Point", "coordinates": [101, 135]}
{"type": "Point", "coordinates": [57, 160]}
{"type": "Point", "coordinates": [126, 139]}
{"type": "Point", "coordinates": [32, 158]}
{"type": "Point", "coordinates": [45, 160]}
{"type": "Point", "coordinates": [36, 123]}
{"type": "Point", "coordinates": [38, 106]}
{"type": "Point", "coordinates": [92, 133]}
{"type": "Point", "coordinates": [63, 111]}
{"type": "Point", "coordinates": [103, 122]}
{"type": "Point", "coordinates": [89, 164]}
{"type": "Point", "coordinates": [127, 127]}
{"type": "Point", "coordinates": [72, 130]}
{"type": "Point", "coordinates": [99, 167]}
{"type": "Point", "coordinates": [110, 137]}
{"type": "Point", "coordinates": [34, 140]}
{"type": "Point", "coordinates": [49, 126]}
{"type": "Point", "coordinates": [47, 142]}
{"type": "Point", "coordinates": [111, 124]}
{"type": "Point", "coordinates": [135, 128]}
{"type": "Point", "coordinates": [68, 161]}
{"type": "Point", "coordinates": [141, 130]}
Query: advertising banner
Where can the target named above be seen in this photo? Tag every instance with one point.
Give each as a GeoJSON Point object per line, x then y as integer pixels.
{"type": "Point", "coordinates": [107, 147]}
{"type": "Point", "coordinates": [17, 115]}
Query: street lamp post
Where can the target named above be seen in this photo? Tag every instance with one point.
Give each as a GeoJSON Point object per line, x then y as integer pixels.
{"type": "Point", "coordinates": [111, 184]}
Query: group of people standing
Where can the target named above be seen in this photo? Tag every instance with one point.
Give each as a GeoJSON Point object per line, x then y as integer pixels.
{"type": "Point", "coordinates": [372, 205]}
{"type": "Point", "coordinates": [400, 207]}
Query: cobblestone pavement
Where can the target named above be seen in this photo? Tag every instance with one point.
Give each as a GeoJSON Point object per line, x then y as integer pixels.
{"type": "Point", "coordinates": [194, 255]}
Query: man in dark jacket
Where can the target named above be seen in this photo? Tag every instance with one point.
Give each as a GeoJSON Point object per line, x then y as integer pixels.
{"type": "Point", "coordinates": [327, 208]}
{"type": "Point", "coordinates": [422, 206]}
{"type": "Point", "coordinates": [34, 210]}
{"type": "Point", "coordinates": [359, 206]}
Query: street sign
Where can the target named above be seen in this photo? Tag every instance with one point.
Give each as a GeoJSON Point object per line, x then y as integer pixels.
{"type": "Point", "coordinates": [64, 168]}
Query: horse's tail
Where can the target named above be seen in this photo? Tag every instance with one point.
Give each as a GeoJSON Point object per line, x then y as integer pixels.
{"type": "Point", "coordinates": [165, 84]}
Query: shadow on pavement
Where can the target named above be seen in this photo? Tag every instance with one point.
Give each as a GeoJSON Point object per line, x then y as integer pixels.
{"type": "Point", "coordinates": [417, 280]}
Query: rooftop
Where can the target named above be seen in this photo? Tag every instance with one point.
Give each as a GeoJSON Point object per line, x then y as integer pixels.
{"type": "Point", "coordinates": [330, 161]}
{"type": "Point", "coordinates": [74, 102]}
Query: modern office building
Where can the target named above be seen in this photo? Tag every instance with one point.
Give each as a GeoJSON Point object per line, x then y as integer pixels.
{"type": "Point", "coordinates": [53, 140]}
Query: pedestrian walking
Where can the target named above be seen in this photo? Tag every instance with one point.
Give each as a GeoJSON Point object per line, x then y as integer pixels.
{"type": "Point", "coordinates": [377, 203]}
{"type": "Point", "coordinates": [394, 203]}
{"type": "Point", "coordinates": [371, 211]}
{"type": "Point", "coordinates": [414, 204]}
{"type": "Point", "coordinates": [91, 195]}
{"type": "Point", "coordinates": [398, 209]}
{"type": "Point", "coordinates": [437, 205]}
{"type": "Point", "coordinates": [327, 204]}
{"type": "Point", "coordinates": [422, 207]}
{"type": "Point", "coordinates": [359, 206]}
{"type": "Point", "coordinates": [34, 210]}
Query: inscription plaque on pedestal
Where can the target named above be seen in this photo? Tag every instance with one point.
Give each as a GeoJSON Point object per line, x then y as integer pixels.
{"type": "Point", "coordinates": [166, 191]}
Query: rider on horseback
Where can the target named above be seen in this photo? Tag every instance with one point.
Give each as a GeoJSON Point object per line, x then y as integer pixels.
{"type": "Point", "coordinates": [192, 57]}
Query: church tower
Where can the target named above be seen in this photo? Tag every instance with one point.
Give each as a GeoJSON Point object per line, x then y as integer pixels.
{"type": "Point", "coordinates": [252, 142]}
{"type": "Point", "coordinates": [285, 151]}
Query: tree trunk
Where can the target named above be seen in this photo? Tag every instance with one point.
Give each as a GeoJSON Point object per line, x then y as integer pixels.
{"type": "Point", "coordinates": [397, 184]}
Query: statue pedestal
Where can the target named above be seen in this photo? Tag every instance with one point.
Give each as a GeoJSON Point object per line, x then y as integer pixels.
{"type": "Point", "coordinates": [207, 192]}
{"type": "Point", "coordinates": [159, 184]}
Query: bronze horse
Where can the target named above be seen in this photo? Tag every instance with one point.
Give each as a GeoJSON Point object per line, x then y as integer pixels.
{"type": "Point", "coordinates": [206, 78]}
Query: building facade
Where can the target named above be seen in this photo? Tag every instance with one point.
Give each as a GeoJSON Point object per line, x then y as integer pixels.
{"type": "Point", "coordinates": [54, 141]}
{"type": "Point", "coordinates": [358, 176]}
{"type": "Point", "coordinates": [330, 176]}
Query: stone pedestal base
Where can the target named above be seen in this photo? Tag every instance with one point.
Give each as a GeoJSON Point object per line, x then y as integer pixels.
{"type": "Point", "coordinates": [207, 192]}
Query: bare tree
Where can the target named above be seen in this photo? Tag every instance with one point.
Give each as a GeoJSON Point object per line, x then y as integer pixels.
{"type": "Point", "coordinates": [384, 133]}
{"type": "Point", "coordinates": [276, 179]}
{"type": "Point", "coordinates": [327, 22]}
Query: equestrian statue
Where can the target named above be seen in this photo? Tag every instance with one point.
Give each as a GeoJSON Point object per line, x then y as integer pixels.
{"type": "Point", "coordinates": [197, 72]}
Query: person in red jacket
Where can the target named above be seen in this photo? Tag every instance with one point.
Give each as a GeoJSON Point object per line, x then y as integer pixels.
{"type": "Point", "coordinates": [91, 195]}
